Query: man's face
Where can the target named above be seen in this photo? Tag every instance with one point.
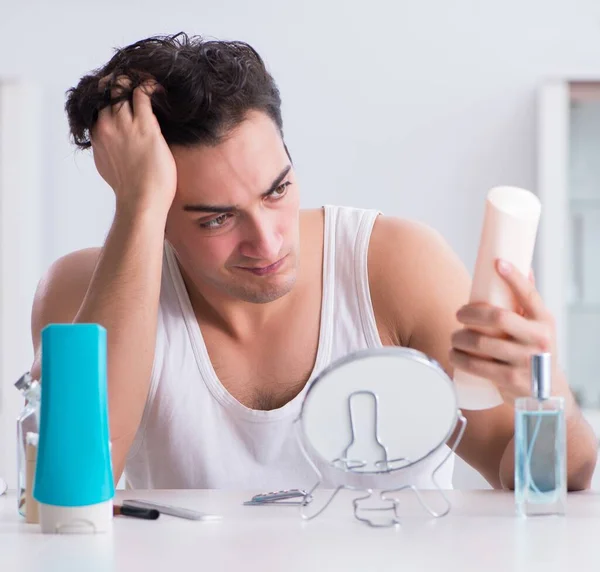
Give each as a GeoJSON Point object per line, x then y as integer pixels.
{"type": "Point", "coordinates": [235, 217]}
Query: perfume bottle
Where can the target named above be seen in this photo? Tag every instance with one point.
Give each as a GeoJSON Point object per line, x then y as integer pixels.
{"type": "Point", "coordinates": [540, 446]}
{"type": "Point", "coordinates": [27, 422]}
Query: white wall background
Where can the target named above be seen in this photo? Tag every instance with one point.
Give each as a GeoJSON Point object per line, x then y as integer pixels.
{"type": "Point", "coordinates": [414, 107]}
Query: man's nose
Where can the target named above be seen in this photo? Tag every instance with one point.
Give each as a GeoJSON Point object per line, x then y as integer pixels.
{"type": "Point", "coordinates": [263, 241]}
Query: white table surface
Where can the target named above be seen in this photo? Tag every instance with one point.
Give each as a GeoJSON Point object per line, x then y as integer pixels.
{"type": "Point", "coordinates": [481, 533]}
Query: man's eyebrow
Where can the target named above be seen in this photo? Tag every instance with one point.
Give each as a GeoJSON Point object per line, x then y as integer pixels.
{"type": "Point", "coordinates": [219, 209]}
{"type": "Point", "coordinates": [278, 180]}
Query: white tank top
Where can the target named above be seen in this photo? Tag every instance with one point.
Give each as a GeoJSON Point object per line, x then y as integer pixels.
{"type": "Point", "coordinates": [194, 434]}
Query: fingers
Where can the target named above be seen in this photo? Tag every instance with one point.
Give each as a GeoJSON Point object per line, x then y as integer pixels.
{"type": "Point", "coordinates": [121, 110]}
{"type": "Point", "coordinates": [519, 328]}
{"type": "Point", "coordinates": [500, 373]}
{"type": "Point", "coordinates": [524, 290]}
{"type": "Point", "coordinates": [488, 347]}
{"type": "Point", "coordinates": [497, 343]}
{"type": "Point", "coordinates": [123, 106]}
{"type": "Point", "coordinates": [479, 366]}
{"type": "Point", "coordinates": [142, 100]}
{"type": "Point", "coordinates": [124, 111]}
{"type": "Point", "coordinates": [105, 112]}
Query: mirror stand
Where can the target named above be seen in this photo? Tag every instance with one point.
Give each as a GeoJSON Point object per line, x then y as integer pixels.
{"type": "Point", "coordinates": [387, 495]}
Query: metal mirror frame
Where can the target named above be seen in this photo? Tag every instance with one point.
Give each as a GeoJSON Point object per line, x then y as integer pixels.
{"type": "Point", "coordinates": [347, 472]}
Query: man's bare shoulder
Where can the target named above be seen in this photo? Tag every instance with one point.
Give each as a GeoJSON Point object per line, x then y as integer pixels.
{"type": "Point", "coordinates": [312, 217]}
{"type": "Point", "coordinates": [395, 233]}
{"type": "Point", "coordinates": [412, 270]}
{"type": "Point", "coordinates": [62, 287]}
{"type": "Point", "coordinates": [71, 271]}
{"type": "Point", "coordinates": [404, 252]}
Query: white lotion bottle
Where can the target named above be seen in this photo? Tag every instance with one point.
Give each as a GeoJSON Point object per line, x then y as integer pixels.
{"type": "Point", "coordinates": [509, 231]}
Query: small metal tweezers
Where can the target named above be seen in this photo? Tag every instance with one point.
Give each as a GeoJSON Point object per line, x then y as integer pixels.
{"type": "Point", "coordinates": [281, 497]}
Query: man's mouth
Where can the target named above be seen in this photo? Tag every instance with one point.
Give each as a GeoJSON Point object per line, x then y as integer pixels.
{"type": "Point", "coordinates": [264, 270]}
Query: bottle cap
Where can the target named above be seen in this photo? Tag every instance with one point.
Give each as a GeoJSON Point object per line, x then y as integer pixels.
{"type": "Point", "coordinates": [24, 382]}
{"type": "Point", "coordinates": [541, 375]}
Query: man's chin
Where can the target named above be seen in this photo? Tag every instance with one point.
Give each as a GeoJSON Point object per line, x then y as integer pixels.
{"type": "Point", "coordinates": [264, 293]}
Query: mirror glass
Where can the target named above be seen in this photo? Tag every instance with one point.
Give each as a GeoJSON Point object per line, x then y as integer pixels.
{"type": "Point", "coordinates": [383, 410]}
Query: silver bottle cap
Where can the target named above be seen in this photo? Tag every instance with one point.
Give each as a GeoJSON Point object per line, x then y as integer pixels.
{"type": "Point", "coordinates": [541, 375]}
{"type": "Point", "coordinates": [24, 382]}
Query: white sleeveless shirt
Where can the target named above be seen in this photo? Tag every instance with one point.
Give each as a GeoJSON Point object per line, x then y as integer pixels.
{"type": "Point", "coordinates": [194, 434]}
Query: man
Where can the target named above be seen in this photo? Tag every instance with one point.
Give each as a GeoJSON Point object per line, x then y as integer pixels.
{"type": "Point", "coordinates": [222, 298]}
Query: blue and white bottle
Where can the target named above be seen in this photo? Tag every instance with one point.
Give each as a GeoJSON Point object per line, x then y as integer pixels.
{"type": "Point", "coordinates": [74, 480]}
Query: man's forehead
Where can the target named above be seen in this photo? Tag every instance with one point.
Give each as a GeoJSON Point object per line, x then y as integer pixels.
{"type": "Point", "coordinates": [248, 159]}
{"type": "Point", "coordinates": [247, 142]}
{"type": "Point", "coordinates": [228, 185]}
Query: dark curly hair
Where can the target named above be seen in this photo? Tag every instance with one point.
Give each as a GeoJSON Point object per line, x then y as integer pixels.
{"type": "Point", "coordinates": [207, 88]}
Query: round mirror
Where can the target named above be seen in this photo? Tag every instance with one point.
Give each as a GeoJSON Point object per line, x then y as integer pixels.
{"type": "Point", "coordinates": [378, 411]}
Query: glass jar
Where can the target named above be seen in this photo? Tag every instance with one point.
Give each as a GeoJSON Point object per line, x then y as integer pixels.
{"type": "Point", "coordinates": [27, 422]}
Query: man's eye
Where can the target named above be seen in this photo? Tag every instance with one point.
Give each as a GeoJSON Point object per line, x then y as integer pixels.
{"type": "Point", "coordinates": [280, 191]}
{"type": "Point", "coordinates": [216, 222]}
